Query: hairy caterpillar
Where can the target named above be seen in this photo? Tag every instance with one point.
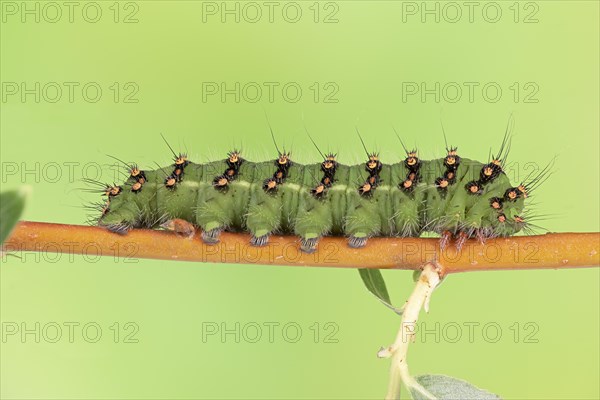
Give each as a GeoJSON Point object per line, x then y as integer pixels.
{"type": "Point", "coordinates": [451, 196]}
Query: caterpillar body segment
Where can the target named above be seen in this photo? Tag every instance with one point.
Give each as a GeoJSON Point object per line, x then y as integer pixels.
{"type": "Point", "coordinates": [449, 196]}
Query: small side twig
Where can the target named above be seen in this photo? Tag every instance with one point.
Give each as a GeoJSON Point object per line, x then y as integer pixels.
{"type": "Point", "coordinates": [428, 281]}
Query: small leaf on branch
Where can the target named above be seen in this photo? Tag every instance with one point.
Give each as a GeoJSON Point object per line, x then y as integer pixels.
{"type": "Point", "coordinates": [375, 283]}
{"type": "Point", "coordinates": [11, 207]}
{"type": "Point", "coordinates": [448, 388]}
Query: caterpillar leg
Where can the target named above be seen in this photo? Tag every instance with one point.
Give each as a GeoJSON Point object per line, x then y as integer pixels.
{"type": "Point", "coordinates": [311, 225]}
{"type": "Point", "coordinates": [461, 240]}
{"type": "Point", "coordinates": [120, 217]}
{"type": "Point", "coordinates": [121, 228]}
{"type": "Point", "coordinates": [357, 241]}
{"type": "Point", "coordinates": [309, 245]}
{"type": "Point", "coordinates": [262, 220]}
{"type": "Point", "coordinates": [211, 236]}
{"type": "Point", "coordinates": [445, 238]}
{"type": "Point", "coordinates": [360, 225]}
{"type": "Point", "coordinates": [180, 227]}
{"type": "Point", "coordinates": [260, 240]}
{"type": "Point", "coordinates": [482, 235]}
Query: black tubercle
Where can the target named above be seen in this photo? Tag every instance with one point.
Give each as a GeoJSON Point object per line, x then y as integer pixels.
{"type": "Point", "coordinates": [451, 162]}
{"type": "Point", "coordinates": [221, 183]}
{"type": "Point", "coordinates": [234, 161]}
{"type": "Point", "coordinates": [328, 167]}
{"type": "Point", "coordinates": [413, 177]}
{"type": "Point", "coordinates": [283, 164]}
{"type": "Point", "coordinates": [512, 194]}
{"type": "Point", "coordinates": [474, 188]}
{"type": "Point", "coordinates": [171, 182]}
{"type": "Point", "coordinates": [489, 172]}
{"type": "Point", "coordinates": [373, 167]}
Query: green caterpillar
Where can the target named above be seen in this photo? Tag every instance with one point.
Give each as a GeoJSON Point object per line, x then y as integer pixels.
{"type": "Point", "coordinates": [451, 196]}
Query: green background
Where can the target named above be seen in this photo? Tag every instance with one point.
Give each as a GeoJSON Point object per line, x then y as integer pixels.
{"type": "Point", "coordinates": [368, 54]}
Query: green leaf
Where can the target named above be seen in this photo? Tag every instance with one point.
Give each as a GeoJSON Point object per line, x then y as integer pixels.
{"type": "Point", "coordinates": [447, 388]}
{"type": "Point", "coordinates": [375, 283]}
{"type": "Point", "coordinates": [11, 207]}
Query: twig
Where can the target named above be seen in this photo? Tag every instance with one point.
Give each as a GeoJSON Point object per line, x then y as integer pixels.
{"type": "Point", "coordinates": [550, 251]}
{"type": "Point", "coordinates": [428, 281]}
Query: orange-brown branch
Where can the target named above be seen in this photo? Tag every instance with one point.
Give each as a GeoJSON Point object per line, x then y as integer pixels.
{"type": "Point", "coordinates": [557, 250]}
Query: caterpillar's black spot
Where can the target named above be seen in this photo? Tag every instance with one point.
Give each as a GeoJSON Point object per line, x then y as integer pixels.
{"type": "Point", "coordinates": [474, 188]}
{"type": "Point", "coordinates": [373, 165]}
{"type": "Point", "coordinates": [280, 175]}
{"type": "Point", "coordinates": [408, 185]}
{"type": "Point", "coordinates": [136, 187]}
{"type": "Point", "coordinates": [231, 174]}
{"type": "Point", "coordinates": [496, 203]}
{"type": "Point", "coordinates": [452, 160]}
{"type": "Point", "coordinates": [270, 185]}
{"type": "Point", "coordinates": [523, 190]}
{"type": "Point", "coordinates": [519, 220]}
{"type": "Point", "coordinates": [171, 182]}
{"type": "Point", "coordinates": [501, 218]}
{"type": "Point", "coordinates": [512, 194]}
{"type": "Point", "coordinates": [138, 175]}
{"type": "Point", "coordinates": [221, 183]}
{"type": "Point", "coordinates": [442, 184]}
{"type": "Point", "coordinates": [450, 176]}
{"type": "Point", "coordinates": [412, 162]}
{"type": "Point", "coordinates": [329, 166]}
{"type": "Point", "coordinates": [178, 173]}
{"type": "Point", "coordinates": [414, 176]}
{"type": "Point", "coordinates": [318, 191]}
{"type": "Point", "coordinates": [366, 189]}
{"type": "Point", "coordinates": [489, 172]}
{"type": "Point", "coordinates": [234, 160]}
{"type": "Point", "coordinates": [283, 162]}
{"type": "Point", "coordinates": [327, 181]}
{"type": "Point", "coordinates": [112, 191]}
{"type": "Point", "coordinates": [181, 160]}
